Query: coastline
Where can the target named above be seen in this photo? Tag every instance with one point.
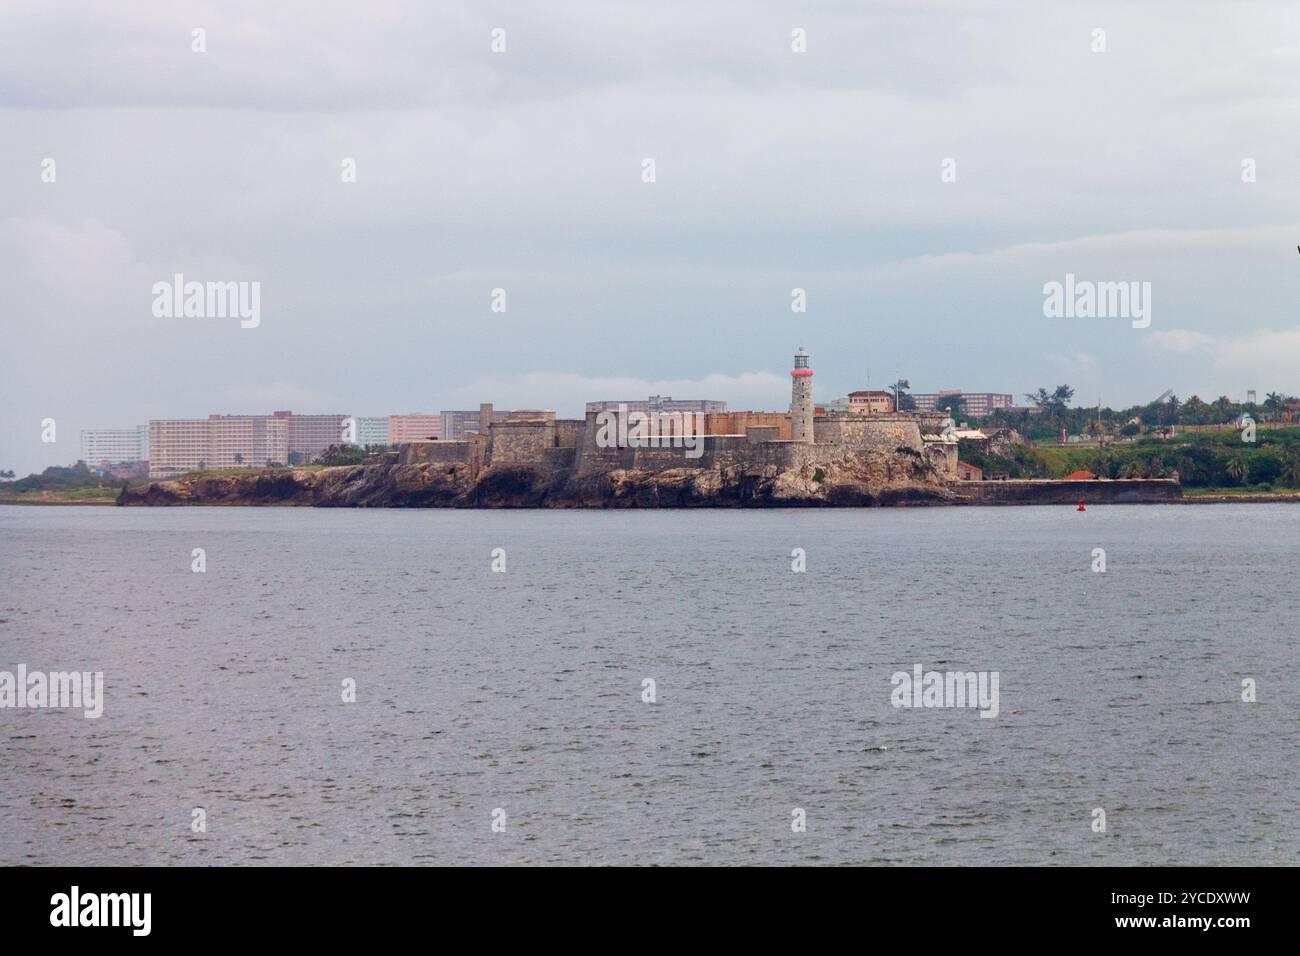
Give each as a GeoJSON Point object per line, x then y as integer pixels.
{"type": "Point", "coordinates": [435, 486]}
{"type": "Point", "coordinates": [1207, 499]}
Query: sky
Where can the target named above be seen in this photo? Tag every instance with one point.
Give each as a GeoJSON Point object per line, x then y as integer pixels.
{"type": "Point", "coordinates": [523, 170]}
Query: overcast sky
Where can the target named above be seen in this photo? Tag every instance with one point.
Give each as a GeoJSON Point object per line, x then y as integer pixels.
{"type": "Point", "coordinates": [522, 170]}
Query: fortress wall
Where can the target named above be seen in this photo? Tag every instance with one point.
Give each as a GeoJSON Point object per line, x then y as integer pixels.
{"type": "Point", "coordinates": [758, 458]}
{"type": "Point", "coordinates": [737, 423]}
{"type": "Point", "coordinates": [837, 438]}
{"type": "Point", "coordinates": [569, 432]}
{"type": "Point", "coordinates": [478, 451]}
{"type": "Point", "coordinates": [591, 459]}
{"type": "Point", "coordinates": [872, 436]}
{"type": "Point", "coordinates": [559, 459]}
{"type": "Point", "coordinates": [726, 451]}
{"type": "Point", "coordinates": [434, 453]}
{"type": "Point", "coordinates": [944, 458]}
{"type": "Point", "coordinates": [519, 442]}
{"type": "Point", "coordinates": [652, 459]}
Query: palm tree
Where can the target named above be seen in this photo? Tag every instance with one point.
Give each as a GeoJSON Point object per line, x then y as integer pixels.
{"type": "Point", "coordinates": [1237, 469]}
{"type": "Point", "coordinates": [1273, 403]}
{"type": "Point", "coordinates": [1054, 404]}
{"type": "Point", "coordinates": [902, 401]}
{"type": "Point", "coordinates": [1291, 469]}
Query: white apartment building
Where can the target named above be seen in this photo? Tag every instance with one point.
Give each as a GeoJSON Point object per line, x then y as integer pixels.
{"type": "Point", "coordinates": [114, 446]}
{"type": "Point", "coordinates": [372, 431]}
{"type": "Point", "coordinates": [975, 404]}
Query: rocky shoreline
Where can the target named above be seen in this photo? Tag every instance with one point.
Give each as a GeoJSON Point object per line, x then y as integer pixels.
{"type": "Point", "coordinates": [387, 484]}
{"type": "Point", "coordinates": [443, 486]}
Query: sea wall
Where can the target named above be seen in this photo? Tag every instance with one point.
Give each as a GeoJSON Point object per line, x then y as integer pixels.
{"type": "Point", "coordinates": [1121, 491]}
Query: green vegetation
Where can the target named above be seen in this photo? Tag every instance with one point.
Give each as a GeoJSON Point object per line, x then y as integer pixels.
{"type": "Point", "coordinates": [88, 496]}
{"type": "Point", "coordinates": [55, 485]}
{"type": "Point", "coordinates": [1205, 460]}
{"type": "Point", "coordinates": [234, 472]}
{"type": "Point", "coordinates": [76, 483]}
{"type": "Point", "coordinates": [1056, 414]}
{"type": "Point", "coordinates": [346, 454]}
{"type": "Point", "coordinates": [902, 401]}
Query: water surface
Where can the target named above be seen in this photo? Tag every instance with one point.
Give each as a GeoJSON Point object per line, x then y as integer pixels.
{"type": "Point", "coordinates": [523, 690]}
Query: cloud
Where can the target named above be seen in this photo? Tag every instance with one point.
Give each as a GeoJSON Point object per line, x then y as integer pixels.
{"type": "Point", "coordinates": [1180, 341]}
{"type": "Point", "coordinates": [1266, 351]}
{"type": "Point", "coordinates": [261, 398]}
{"type": "Point", "coordinates": [1273, 352]}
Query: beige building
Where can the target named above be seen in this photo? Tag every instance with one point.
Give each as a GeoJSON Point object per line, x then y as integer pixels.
{"type": "Point", "coordinates": [661, 403]}
{"type": "Point", "coordinates": [974, 404]}
{"type": "Point", "coordinates": [870, 402]}
{"type": "Point", "coordinates": [309, 435]}
{"type": "Point", "coordinates": [414, 427]}
{"type": "Point", "coordinates": [218, 441]}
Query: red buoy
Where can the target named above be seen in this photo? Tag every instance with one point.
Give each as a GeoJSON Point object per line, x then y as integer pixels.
{"type": "Point", "coordinates": [1081, 507]}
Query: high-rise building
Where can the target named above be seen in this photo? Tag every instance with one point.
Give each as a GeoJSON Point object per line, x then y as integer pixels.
{"type": "Point", "coordinates": [371, 431]}
{"type": "Point", "coordinates": [801, 398]}
{"type": "Point", "coordinates": [309, 435]}
{"type": "Point", "coordinates": [457, 423]}
{"type": "Point", "coordinates": [219, 441]}
{"type": "Point", "coordinates": [416, 426]}
{"type": "Point", "coordinates": [662, 403]}
{"type": "Point", "coordinates": [974, 404]}
{"type": "Point", "coordinates": [114, 446]}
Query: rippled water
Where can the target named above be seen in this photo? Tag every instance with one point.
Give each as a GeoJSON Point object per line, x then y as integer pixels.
{"type": "Point", "coordinates": [522, 691]}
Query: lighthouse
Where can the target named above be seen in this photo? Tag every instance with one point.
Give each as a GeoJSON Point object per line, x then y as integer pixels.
{"type": "Point", "coordinates": [801, 399]}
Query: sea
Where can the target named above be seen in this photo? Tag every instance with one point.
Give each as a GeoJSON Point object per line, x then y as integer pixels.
{"type": "Point", "coordinates": [698, 687]}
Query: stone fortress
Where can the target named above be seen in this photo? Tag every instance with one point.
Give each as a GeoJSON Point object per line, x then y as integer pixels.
{"type": "Point", "coordinates": [796, 456]}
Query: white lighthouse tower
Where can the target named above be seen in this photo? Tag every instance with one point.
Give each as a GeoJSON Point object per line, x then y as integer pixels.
{"type": "Point", "coordinates": [801, 398]}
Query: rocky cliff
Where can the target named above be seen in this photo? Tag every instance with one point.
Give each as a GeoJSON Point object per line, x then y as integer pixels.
{"type": "Point", "coordinates": [389, 484]}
